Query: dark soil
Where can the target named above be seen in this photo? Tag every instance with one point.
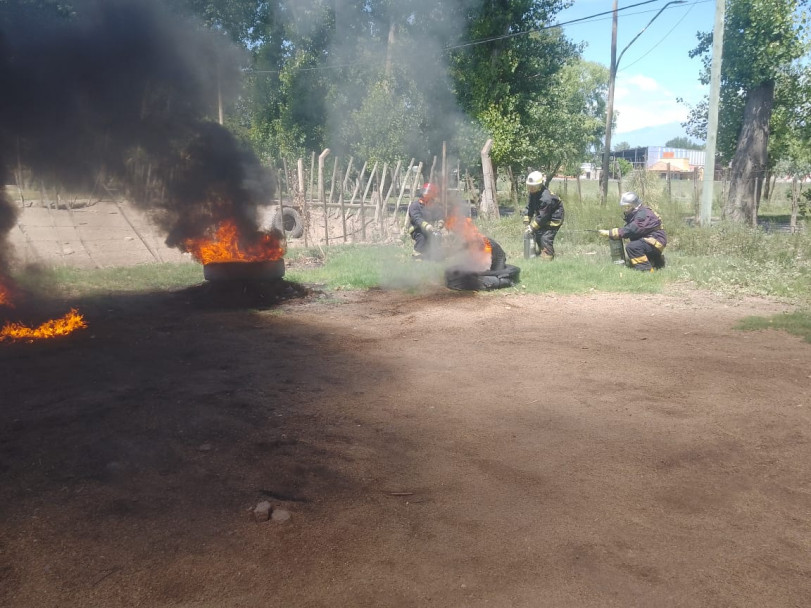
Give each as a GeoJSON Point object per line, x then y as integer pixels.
{"type": "Point", "coordinates": [434, 449]}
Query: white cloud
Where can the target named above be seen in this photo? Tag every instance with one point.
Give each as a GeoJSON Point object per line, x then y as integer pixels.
{"type": "Point", "coordinates": [644, 83]}
{"type": "Point", "coordinates": [641, 101]}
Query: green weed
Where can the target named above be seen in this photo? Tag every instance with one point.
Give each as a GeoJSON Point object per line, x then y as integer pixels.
{"type": "Point", "coordinates": [797, 323]}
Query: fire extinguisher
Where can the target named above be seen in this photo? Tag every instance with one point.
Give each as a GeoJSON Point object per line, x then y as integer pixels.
{"type": "Point", "coordinates": [529, 242]}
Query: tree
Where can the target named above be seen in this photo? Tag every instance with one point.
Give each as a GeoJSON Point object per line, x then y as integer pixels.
{"type": "Point", "coordinates": [684, 143]}
{"type": "Point", "coordinates": [567, 127]}
{"type": "Point", "coordinates": [763, 40]}
{"type": "Point", "coordinates": [505, 81]}
{"type": "Point", "coordinates": [623, 145]}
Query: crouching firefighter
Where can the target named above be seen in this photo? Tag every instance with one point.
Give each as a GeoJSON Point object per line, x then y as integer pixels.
{"type": "Point", "coordinates": [425, 223]}
{"type": "Point", "coordinates": [645, 233]}
{"type": "Point", "coordinates": [543, 217]}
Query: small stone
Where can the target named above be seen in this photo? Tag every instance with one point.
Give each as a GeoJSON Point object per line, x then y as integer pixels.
{"type": "Point", "coordinates": [280, 515]}
{"type": "Point", "coordinates": [262, 511]}
{"type": "Point", "coordinates": [206, 447]}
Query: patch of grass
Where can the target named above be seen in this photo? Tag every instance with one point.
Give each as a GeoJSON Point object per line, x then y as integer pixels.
{"type": "Point", "coordinates": [797, 323]}
{"type": "Point", "coordinates": [366, 267]}
{"type": "Point", "coordinates": [726, 259]}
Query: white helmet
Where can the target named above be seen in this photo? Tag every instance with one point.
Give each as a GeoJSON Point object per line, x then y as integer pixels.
{"type": "Point", "coordinates": [536, 178]}
{"type": "Point", "coordinates": [629, 199]}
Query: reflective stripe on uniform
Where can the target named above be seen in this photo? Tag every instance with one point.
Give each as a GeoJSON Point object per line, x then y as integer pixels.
{"type": "Point", "coordinates": [555, 224]}
{"type": "Point", "coordinates": [640, 260]}
{"type": "Point", "coordinates": [614, 233]}
{"type": "Point", "coordinates": [652, 241]}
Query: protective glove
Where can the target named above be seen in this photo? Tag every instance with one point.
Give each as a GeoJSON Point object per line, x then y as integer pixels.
{"type": "Point", "coordinates": [427, 228]}
{"type": "Point", "coordinates": [603, 232]}
{"type": "Point", "coordinates": [528, 229]}
{"type": "Point", "coordinates": [526, 219]}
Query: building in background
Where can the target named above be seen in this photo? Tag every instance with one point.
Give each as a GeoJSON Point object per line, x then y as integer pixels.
{"type": "Point", "coordinates": [680, 162]}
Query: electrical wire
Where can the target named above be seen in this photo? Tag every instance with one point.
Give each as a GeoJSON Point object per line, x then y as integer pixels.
{"type": "Point", "coordinates": [661, 40]}
{"type": "Point", "coordinates": [587, 19]}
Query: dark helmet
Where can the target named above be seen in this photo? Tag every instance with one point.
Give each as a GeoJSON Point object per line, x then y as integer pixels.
{"type": "Point", "coordinates": [429, 192]}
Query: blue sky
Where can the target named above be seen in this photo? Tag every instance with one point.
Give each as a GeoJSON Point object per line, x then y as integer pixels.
{"type": "Point", "coordinates": [654, 70]}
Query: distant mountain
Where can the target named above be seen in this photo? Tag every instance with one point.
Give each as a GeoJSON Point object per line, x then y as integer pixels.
{"type": "Point", "coordinates": [650, 136]}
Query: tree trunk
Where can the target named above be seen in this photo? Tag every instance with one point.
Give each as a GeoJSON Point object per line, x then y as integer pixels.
{"type": "Point", "coordinates": [750, 158]}
{"type": "Point", "coordinates": [489, 201]}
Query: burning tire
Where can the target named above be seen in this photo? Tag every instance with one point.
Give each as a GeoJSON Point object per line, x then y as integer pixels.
{"type": "Point", "coordinates": [266, 270]}
{"type": "Point", "coordinates": [464, 280]}
{"type": "Point", "coordinates": [290, 222]}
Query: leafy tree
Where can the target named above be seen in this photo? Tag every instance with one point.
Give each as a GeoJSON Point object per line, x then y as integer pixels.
{"type": "Point", "coordinates": [623, 145]}
{"type": "Point", "coordinates": [684, 143]}
{"type": "Point", "coordinates": [566, 127]}
{"type": "Point", "coordinates": [504, 81]}
{"type": "Point", "coordinates": [763, 40]}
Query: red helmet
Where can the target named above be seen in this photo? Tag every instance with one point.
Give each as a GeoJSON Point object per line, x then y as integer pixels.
{"type": "Point", "coordinates": [429, 192]}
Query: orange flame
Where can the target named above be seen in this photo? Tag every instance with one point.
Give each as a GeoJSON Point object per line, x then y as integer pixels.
{"type": "Point", "coordinates": [229, 246]}
{"type": "Point", "coordinates": [50, 329]}
{"type": "Point", "coordinates": [477, 244]}
{"type": "Point", "coordinates": [5, 296]}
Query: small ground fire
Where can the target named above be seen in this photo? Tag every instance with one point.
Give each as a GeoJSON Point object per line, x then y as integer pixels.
{"type": "Point", "coordinates": [53, 328]}
{"type": "Point", "coordinates": [50, 329]}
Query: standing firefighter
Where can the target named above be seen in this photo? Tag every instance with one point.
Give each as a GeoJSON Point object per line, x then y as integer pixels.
{"type": "Point", "coordinates": [543, 217]}
{"type": "Point", "coordinates": [425, 220]}
{"type": "Point", "coordinates": [645, 233]}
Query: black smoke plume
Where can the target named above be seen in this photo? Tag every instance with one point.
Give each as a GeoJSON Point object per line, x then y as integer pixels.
{"type": "Point", "coordinates": [125, 91]}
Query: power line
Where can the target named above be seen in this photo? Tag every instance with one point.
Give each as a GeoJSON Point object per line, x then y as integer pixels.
{"type": "Point", "coordinates": [586, 19]}
{"type": "Point", "coordinates": [663, 38]}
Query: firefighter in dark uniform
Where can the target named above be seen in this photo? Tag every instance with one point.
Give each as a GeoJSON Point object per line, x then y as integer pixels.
{"type": "Point", "coordinates": [645, 233]}
{"type": "Point", "coordinates": [543, 216]}
{"type": "Point", "coordinates": [425, 222]}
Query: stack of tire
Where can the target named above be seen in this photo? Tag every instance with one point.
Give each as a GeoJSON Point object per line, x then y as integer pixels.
{"type": "Point", "coordinates": [499, 275]}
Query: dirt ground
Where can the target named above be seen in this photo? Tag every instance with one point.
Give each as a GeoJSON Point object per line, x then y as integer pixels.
{"type": "Point", "coordinates": [430, 449]}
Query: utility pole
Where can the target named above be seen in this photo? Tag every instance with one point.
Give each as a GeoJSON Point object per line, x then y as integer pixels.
{"type": "Point", "coordinates": [612, 78]}
{"type": "Point", "coordinates": [609, 116]}
{"type": "Point", "coordinates": [705, 216]}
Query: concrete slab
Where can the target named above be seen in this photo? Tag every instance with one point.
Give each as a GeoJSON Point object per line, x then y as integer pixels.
{"type": "Point", "coordinates": [103, 235]}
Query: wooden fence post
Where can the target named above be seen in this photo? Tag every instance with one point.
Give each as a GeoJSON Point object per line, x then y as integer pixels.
{"type": "Point", "coordinates": [403, 184]}
{"type": "Point", "coordinates": [321, 158]}
{"type": "Point", "coordinates": [343, 190]}
{"type": "Point", "coordinates": [489, 202]}
{"type": "Point", "coordinates": [379, 207]}
{"type": "Point", "coordinates": [358, 183]}
{"type": "Point", "coordinates": [326, 208]}
{"type": "Point", "coordinates": [363, 203]}
{"type": "Point", "coordinates": [312, 175]}
{"type": "Point", "coordinates": [301, 197]}
{"type": "Point", "coordinates": [394, 175]}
